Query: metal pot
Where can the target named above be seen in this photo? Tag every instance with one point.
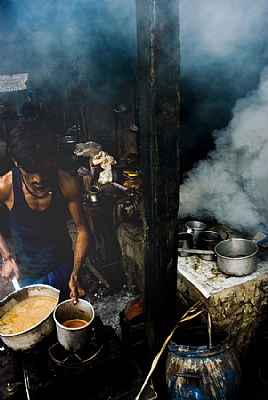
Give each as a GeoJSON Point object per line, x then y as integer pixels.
{"type": "Point", "coordinates": [185, 241]}
{"type": "Point", "coordinates": [93, 193]}
{"type": "Point", "coordinates": [237, 256]}
{"type": "Point", "coordinates": [208, 241]}
{"type": "Point", "coordinates": [68, 139]}
{"type": "Point", "coordinates": [66, 145]}
{"type": "Point", "coordinates": [195, 227]}
{"type": "Point", "coordinates": [28, 338]}
{"type": "Point", "coordinates": [74, 339]}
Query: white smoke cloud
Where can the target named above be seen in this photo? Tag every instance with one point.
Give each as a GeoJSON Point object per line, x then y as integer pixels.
{"type": "Point", "coordinates": [217, 28]}
{"type": "Point", "coordinates": [231, 184]}
{"type": "Point", "coordinates": [223, 51]}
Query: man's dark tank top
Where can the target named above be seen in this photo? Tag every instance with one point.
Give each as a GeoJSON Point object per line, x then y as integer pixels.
{"type": "Point", "coordinates": [41, 240]}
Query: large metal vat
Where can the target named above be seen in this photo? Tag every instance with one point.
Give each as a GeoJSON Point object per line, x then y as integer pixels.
{"type": "Point", "coordinates": [29, 338]}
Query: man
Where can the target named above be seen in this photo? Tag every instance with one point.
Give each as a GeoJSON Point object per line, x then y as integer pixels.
{"type": "Point", "coordinates": [40, 199]}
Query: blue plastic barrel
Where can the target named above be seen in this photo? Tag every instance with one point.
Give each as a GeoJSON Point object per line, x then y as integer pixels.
{"type": "Point", "coordinates": [200, 369]}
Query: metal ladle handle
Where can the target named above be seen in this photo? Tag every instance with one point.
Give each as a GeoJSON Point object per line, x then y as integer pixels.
{"type": "Point", "coordinates": [15, 282]}
{"type": "Point", "coordinates": [196, 251]}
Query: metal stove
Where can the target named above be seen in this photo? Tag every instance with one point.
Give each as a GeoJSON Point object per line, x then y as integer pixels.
{"type": "Point", "coordinates": [83, 357]}
{"type": "Point", "coordinates": [99, 371]}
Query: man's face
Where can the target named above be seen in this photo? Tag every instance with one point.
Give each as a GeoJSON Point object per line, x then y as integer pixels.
{"type": "Point", "coordinates": [40, 181]}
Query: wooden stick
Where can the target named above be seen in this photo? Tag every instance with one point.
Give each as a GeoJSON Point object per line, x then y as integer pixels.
{"type": "Point", "coordinates": [97, 274]}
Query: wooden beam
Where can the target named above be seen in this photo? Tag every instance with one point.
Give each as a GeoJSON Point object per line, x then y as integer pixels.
{"type": "Point", "coordinates": [159, 116]}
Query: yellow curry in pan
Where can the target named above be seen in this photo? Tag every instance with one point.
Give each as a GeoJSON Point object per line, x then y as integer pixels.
{"type": "Point", "coordinates": [26, 314]}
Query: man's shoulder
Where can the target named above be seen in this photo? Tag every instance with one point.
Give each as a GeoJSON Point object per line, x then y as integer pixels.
{"type": "Point", "coordinates": [68, 183]}
{"type": "Point", "coordinates": [6, 178]}
{"type": "Point", "coordinates": [6, 185]}
{"type": "Point", "coordinates": [65, 176]}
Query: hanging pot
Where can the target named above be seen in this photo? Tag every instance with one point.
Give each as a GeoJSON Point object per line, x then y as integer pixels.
{"type": "Point", "coordinates": [66, 144]}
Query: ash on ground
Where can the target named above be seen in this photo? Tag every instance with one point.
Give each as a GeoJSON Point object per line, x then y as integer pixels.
{"type": "Point", "coordinates": [108, 294]}
{"type": "Point", "coordinates": [108, 306]}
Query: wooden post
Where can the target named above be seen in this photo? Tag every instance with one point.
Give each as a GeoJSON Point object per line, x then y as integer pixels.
{"type": "Point", "coordinates": [159, 103]}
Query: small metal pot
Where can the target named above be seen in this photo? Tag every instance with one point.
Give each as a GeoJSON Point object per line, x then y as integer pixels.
{"type": "Point", "coordinates": [237, 256]}
{"type": "Point", "coordinates": [195, 227]}
{"type": "Point", "coordinates": [74, 339]}
{"type": "Point", "coordinates": [185, 241]}
{"type": "Point", "coordinates": [93, 193]}
{"type": "Point", "coordinates": [66, 145]}
{"type": "Point", "coordinates": [28, 338]}
{"type": "Point", "coordinates": [208, 241]}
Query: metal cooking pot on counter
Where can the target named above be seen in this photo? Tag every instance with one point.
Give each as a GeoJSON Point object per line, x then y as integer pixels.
{"type": "Point", "coordinates": [235, 256]}
{"type": "Point", "coordinates": [207, 241]}
{"type": "Point", "coordinates": [29, 338]}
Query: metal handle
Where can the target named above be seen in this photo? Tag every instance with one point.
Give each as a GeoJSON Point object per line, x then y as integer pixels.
{"type": "Point", "coordinates": [196, 251]}
{"type": "Point", "coordinates": [225, 235]}
{"type": "Point", "coordinates": [15, 282]}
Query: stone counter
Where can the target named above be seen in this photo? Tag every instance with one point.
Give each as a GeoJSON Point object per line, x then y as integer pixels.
{"type": "Point", "coordinates": [236, 304]}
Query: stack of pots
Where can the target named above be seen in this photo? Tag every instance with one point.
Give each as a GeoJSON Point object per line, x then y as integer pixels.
{"type": "Point", "coordinates": [234, 256]}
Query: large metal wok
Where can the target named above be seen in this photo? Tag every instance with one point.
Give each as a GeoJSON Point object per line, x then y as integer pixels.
{"type": "Point", "coordinates": [29, 338]}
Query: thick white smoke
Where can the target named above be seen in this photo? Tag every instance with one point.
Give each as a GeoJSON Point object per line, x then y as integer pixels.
{"type": "Point", "coordinates": [218, 30]}
{"type": "Point", "coordinates": [232, 183]}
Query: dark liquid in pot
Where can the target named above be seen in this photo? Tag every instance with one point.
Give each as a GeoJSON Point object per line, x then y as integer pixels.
{"type": "Point", "coordinates": [74, 323]}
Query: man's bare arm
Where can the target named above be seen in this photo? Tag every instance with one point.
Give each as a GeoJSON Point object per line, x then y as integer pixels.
{"type": "Point", "coordinates": [9, 266]}
{"type": "Point", "coordinates": [72, 194]}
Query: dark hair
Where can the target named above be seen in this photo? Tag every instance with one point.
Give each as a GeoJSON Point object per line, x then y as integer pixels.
{"type": "Point", "coordinates": [31, 143]}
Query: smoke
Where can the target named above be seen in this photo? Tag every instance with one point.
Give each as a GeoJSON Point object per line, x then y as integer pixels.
{"type": "Point", "coordinates": [68, 45]}
{"type": "Point", "coordinates": [218, 30]}
{"type": "Point", "coordinates": [231, 184]}
{"type": "Point", "coordinates": [223, 50]}
{"type": "Point", "coordinates": [224, 141]}
{"type": "Point", "coordinates": [57, 42]}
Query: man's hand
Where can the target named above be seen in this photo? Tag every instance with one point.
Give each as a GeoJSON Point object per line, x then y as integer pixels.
{"type": "Point", "coordinates": [9, 269]}
{"type": "Point", "coordinates": [75, 288]}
